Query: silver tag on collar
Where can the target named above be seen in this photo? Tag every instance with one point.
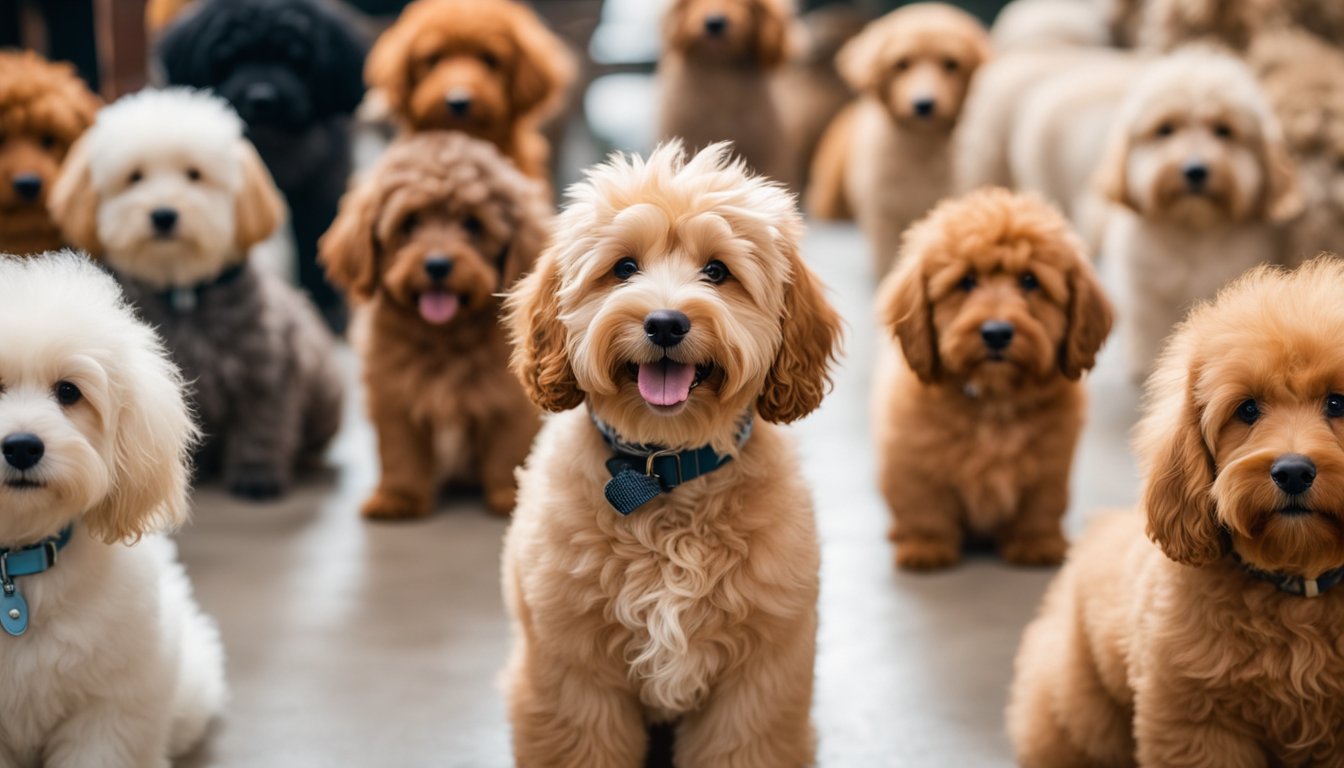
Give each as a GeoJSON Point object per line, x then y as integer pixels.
{"type": "Point", "coordinates": [13, 611]}
{"type": "Point", "coordinates": [183, 299]}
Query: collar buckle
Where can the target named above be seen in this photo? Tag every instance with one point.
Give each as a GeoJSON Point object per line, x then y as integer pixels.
{"type": "Point", "coordinates": [52, 550]}
{"type": "Point", "coordinates": [652, 457]}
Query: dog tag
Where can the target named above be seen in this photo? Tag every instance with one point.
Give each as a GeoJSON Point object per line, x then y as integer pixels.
{"type": "Point", "coordinates": [629, 490]}
{"type": "Point", "coordinates": [13, 611]}
{"type": "Point", "coordinates": [183, 299]}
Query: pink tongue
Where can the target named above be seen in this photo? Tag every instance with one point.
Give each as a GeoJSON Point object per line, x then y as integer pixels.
{"type": "Point", "coordinates": [438, 307]}
{"type": "Point", "coordinates": [665, 382]}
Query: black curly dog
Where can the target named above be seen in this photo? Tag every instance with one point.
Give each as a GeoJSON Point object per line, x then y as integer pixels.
{"type": "Point", "coordinates": [294, 70]}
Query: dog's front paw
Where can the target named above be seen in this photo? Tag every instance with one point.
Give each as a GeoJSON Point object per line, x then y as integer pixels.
{"type": "Point", "coordinates": [1044, 549]}
{"type": "Point", "coordinates": [391, 505]}
{"type": "Point", "coordinates": [920, 554]}
{"type": "Point", "coordinates": [255, 482]}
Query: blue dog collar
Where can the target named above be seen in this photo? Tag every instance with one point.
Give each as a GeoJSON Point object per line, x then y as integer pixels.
{"type": "Point", "coordinates": [25, 561]}
{"type": "Point", "coordinates": [1295, 585]}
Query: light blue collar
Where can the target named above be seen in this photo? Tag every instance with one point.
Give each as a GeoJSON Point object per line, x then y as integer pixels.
{"type": "Point", "coordinates": [25, 561]}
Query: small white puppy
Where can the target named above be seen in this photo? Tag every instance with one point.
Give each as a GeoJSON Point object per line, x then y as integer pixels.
{"type": "Point", "coordinates": [105, 658]}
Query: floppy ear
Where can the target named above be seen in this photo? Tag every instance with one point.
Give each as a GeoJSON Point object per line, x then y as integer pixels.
{"type": "Point", "coordinates": [544, 67]}
{"type": "Point", "coordinates": [800, 376]}
{"type": "Point", "coordinates": [859, 60]}
{"type": "Point", "coordinates": [1283, 193]}
{"type": "Point", "coordinates": [772, 33]}
{"type": "Point", "coordinates": [349, 249]}
{"type": "Point", "coordinates": [153, 433]}
{"type": "Point", "coordinates": [258, 209]}
{"type": "Point", "coordinates": [1112, 175]}
{"type": "Point", "coordinates": [904, 306]}
{"type": "Point", "coordinates": [73, 202]}
{"type": "Point", "coordinates": [1176, 493]}
{"type": "Point", "coordinates": [539, 359]}
{"type": "Point", "coordinates": [1090, 319]}
{"type": "Point", "coordinates": [387, 67]}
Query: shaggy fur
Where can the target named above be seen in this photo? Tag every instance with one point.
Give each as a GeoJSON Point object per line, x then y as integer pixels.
{"type": "Point", "coordinates": [1186, 659]}
{"type": "Point", "coordinates": [1167, 24]}
{"type": "Point", "coordinates": [264, 381]}
{"type": "Point", "coordinates": [293, 70]}
{"type": "Point", "coordinates": [881, 158]}
{"type": "Point", "coordinates": [1180, 239]}
{"type": "Point", "coordinates": [717, 79]}
{"type": "Point", "coordinates": [488, 68]}
{"type": "Point", "coordinates": [1025, 24]}
{"type": "Point", "coordinates": [699, 609]}
{"type": "Point", "coordinates": [440, 394]}
{"type": "Point", "coordinates": [974, 441]}
{"type": "Point", "coordinates": [118, 665]}
{"type": "Point", "coordinates": [44, 107]}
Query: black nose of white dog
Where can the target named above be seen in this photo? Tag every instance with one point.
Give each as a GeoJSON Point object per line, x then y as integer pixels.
{"type": "Point", "coordinates": [438, 268]}
{"type": "Point", "coordinates": [28, 186]}
{"type": "Point", "coordinates": [1293, 473]}
{"type": "Point", "coordinates": [997, 334]}
{"type": "Point", "coordinates": [22, 450]}
{"type": "Point", "coordinates": [163, 219]}
{"type": "Point", "coordinates": [666, 327]}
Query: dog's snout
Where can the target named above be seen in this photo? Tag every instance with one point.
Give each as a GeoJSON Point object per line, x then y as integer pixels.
{"type": "Point", "coordinates": [1196, 174]}
{"type": "Point", "coordinates": [716, 24]}
{"type": "Point", "coordinates": [163, 219]}
{"type": "Point", "coordinates": [924, 106]}
{"type": "Point", "coordinates": [459, 102]}
{"type": "Point", "coordinates": [28, 186]}
{"type": "Point", "coordinates": [23, 450]}
{"type": "Point", "coordinates": [438, 268]}
{"type": "Point", "coordinates": [1293, 473]}
{"type": "Point", "coordinates": [667, 327]}
{"type": "Point", "coordinates": [996, 334]}
{"type": "Point", "coordinates": [262, 97]}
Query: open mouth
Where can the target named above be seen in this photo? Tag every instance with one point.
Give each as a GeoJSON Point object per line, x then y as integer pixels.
{"type": "Point", "coordinates": [23, 484]}
{"type": "Point", "coordinates": [438, 307]}
{"type": "Point", "coordinates": [667, 383]}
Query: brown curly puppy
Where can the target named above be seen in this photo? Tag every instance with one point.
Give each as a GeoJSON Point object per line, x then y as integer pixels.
{"type": "Point", "coordinates": [44, 107]}
{"type": "Point", "coordinates": [440, 227]}
{"type": "Point", "coordinates": [997, 314]}
{"type": "Point", "coordinates": [488, 68]}
{"type": "Point", "coordinates": [1220, 645]}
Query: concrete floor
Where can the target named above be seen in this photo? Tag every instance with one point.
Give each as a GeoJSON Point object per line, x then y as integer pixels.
{"type": "Point", "coordinates": [355, 644]}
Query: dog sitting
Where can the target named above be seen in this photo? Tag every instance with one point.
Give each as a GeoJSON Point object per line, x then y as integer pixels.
{"type": "Point", "coordinates": [488, 68]}
{"type": "Point", "coordinates": [106, 658]}
{"type": "Point", "coordinates": [293, 70]}
{"type": "Point", "coordinates": [662, 563]}
{"type": "Point", "coordinates": [1220, 645]}
{"type": "Point", "coordinates": [432, 234]}
{"type": "Point", "coordinates": [716, 79]}
{"type": "Point", "coordinates": [997, 315]}
{"type": "Point", "coordinates": [165, 189]}
{"type": "Point", "coordinates": [44, 107]}
{"type": "Point", "coordinates": [1202, 183]}
{"type": "Point", "coordinates": [887, 158]}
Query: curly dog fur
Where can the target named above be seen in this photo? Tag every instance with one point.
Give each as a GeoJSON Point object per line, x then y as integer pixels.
{"type": "Point", "coordinates": [717, 79]}
{"type": "Point", "coordinates": [426, 242]}
{"type": "Point", "coordinates": [1174, 654]}
{"type": "Point", "coordinates": [698, 609]}
{"type": "Point", "coordinates": [44, 107]}
{"type": "Point", "coordinates": [165, 189]}
{"type": "Point", "coordinates": [488, 68]}
{"type": "Point", "coordinates": [976, 431]}
{"type": "Point", "coordinates": [1168, 24]}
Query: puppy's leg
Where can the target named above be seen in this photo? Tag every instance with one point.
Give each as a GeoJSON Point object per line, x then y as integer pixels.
{"type": "Point", "coordinates": [926, 521]}
{"type": "Point", "coordinates": [406, 484]}
{"type": "Point", "coordinates": [111, 734]}
{"type": "Point", "coordinates": [1033, 537]}
{"type": "Point", "coordinates": [1172, 728]}
{"type": "Point", "coordinates": [502, 447]}
{"type": "Point", "coordinates": [263, 438]}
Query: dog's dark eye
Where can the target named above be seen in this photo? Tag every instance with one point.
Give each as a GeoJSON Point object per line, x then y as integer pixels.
{"type": "Point", "coordinates": [473, 225]}
{"type": "Point", "coordinates": [67, 393]}
{"type": "Point", "coordinates": [1334, 405]}
{"type": "Point", "coordinates": [48, 141]}
{"type": "Point", "coordinates": [1248, 411]}
{"type": "Point", "coordinates": [408, 224]}
{"type": "Point", "coordinates": [193, 174]}
{"type": "Point", "coordinates": [135, 177]}
{"type": "Point", "coordinates": [1222, 130]}
{"type": "Point", "coordinates": [967, 283]}
{"type": "Point", "coordinates": [902, 64]}
{"type": "Point", "coordinates": [1165, 129]}
{"type": "Point", "coordinates": [625, 268]}
{"type": "Point", "coordinates": [1028, 282]}
{"type": "Point", "coordinates": [715, 272]}
{"type": "Point", "coordinates": [951, 65]}
{"type": "Point", "coordinates": [490, 60]}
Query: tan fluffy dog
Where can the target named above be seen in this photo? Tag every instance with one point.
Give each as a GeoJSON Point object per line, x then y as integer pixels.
{"type": "Point", "coordinates": [716, 79]}
{"type": "Point", "coordinates": [44, 107]}
{"type": "Point", "coordinates": [997, 314]}
{"type": "Point", "coordinates": [434, 232]}
{"type": "Point", "coordinates": [1216, 654]}
{"type": "Point", "coordinates": [674, 303]}
{"type": "Point", "coordinates": [488, 68]}
{"type": "Point", "coordinates": [1203, 183]}
{"type": "Point", "coordinates": [887, 157]}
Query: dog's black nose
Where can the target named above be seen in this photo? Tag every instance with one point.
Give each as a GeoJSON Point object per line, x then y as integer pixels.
{"type": "Point", "coordinates": [924, 107]}
{"type": "Point", "coordinates": [438, 268]}
{"type": "Point", "coordinates": [23, 450]}
{"type": "Point", "coordinates": [262, 98]}
{"type": "Point", "coordinates": [459, 104]}
{"type": "Point", "coordinates": [667, 327]}
{"type": "Point", "coordinates": [997, 334]}
{"type": "Point", "coordinates": [163, 219]}
{"type": "Point", "coordinates": [28, 186]}
{"type": "Point", "coordinates": [1293, 473]}
{"type": "Point", "coordinates": [1196, 175]}
{"type": "Point", "coordinates": [716, 24]}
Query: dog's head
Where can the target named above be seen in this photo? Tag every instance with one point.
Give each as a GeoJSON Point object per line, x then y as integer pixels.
{"type": "Point", "coordinates": [476, 66]}
{"type": "Point", "coordinates": [918, 62]}
{"type": "Point", "coordinates": [44, 107]}
{"type": "Point", "coordinates": [442, 225]}
{"type": "Point", "coordinates": [165, 188]}
{"type": "Point", "coordinates": [93, 423]}
{"type": "Point", "coordinates": [1195, 142]}
{"type": "Point", "coordinates": [728, 31]}
{"type": "Point", "coordinates": [280, 63]}
{"type": "Point", "coordinates": [1242, 440]}
{"type": "Point", "coordinates": [993, 291]}
{"type": "Point", "coordinates": [673, 298]}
